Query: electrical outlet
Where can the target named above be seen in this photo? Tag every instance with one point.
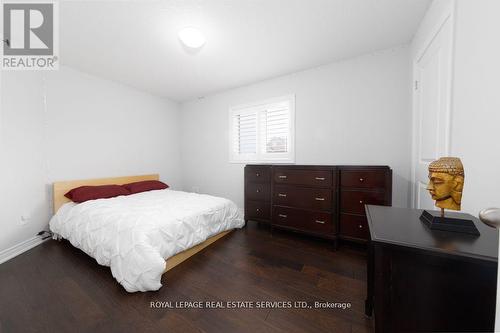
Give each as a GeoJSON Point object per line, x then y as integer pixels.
{"type": "Point", "coordinates": [25, 218]}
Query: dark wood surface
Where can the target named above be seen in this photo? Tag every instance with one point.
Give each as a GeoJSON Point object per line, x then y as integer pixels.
{"type": "Point", "coordinates": [360, 186]}
{"type": "Point", "coordinates": [371, 179]}
{"type": "Point", "coordinates": [304, 177]}
{"type": "Point", "coordinates": [317, 222]}
{"type": "Point", "coordinates": [308, 198]}
{"type": "Point", "coordinates": [401, 226]}
{"type": "Point", "coordinates": [311, 207]}
{"type": "Point", "coordinates": [354, 202]}
{"type": "Point", "coordinates": [258, 174]}
{"type": "Point", "coordinates": [354, 226]}
{"type": "Point", "coordinates": [57, 288]}
{"type": "Point", "coordinates": [258, 191]}
{"type": "Point", "coordinates": [422, 280]}
{"type": "Point", "coordinates": [337, 194]}
{"type": "Point", "coordinates": [258, 210]}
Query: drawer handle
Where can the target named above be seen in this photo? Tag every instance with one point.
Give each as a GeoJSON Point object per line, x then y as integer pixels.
{"type": "Point", "coordinates": [320, 222]}
{"type": "Point", "coordinates": [257, 210]}
{"type": "Point", "coordinates": [283, 216]}
{"type": "Point", "coordinates": [282, 177]}
{"type": "Point", "coordinates": [282, 195]}
{"type": "Point", "coordinates": [257, 174]}
{"type": "Point", "coordinates": [360, 226]}
{"type": "Point", "coordinates": [319, 199]}
{"type": "Point", "coordinates": [320, 178]}
{"type": "Point", "coordinates": [361, 201]}
{"type": "Point", "coordinates": [361, 180]}
{"type": "Point", "coordinates": [258, 191]}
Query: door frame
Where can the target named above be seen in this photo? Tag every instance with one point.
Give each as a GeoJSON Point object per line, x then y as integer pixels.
{"type": "Point", "coordinates": [447, 15]}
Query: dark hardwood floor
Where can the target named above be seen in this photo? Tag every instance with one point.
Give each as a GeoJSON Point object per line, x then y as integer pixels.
{"type": "Point", "coordinates": [57, 288]}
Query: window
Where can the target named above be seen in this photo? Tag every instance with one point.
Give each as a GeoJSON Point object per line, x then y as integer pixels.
{"type": "Point", "coordinates": [263, 132]}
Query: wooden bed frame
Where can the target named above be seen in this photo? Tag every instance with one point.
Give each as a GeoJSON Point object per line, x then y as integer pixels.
{"type": "Point", "coordinates": [61, 188]}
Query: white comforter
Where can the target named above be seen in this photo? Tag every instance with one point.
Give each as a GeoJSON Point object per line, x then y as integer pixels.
{"type": "Point", "coordinates": [135, 234]}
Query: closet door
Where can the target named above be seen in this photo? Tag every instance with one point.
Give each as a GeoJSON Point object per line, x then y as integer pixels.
{"type": "Point", "coordinates": [432, 107]}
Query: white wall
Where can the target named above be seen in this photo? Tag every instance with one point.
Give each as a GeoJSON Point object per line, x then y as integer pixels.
{"type": "Point", "coordinates": [438, 10]}
{"type": "Point", "coordinates": [355, 111]}
{"type": "Point", "coordinates": [22, 175]}
{"type": "Point", "coordinates": [476, 102]}
{"type": "Point", "coordinates": [68, 125]}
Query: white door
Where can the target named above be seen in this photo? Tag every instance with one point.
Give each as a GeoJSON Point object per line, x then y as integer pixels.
{"type": "Point", "coordinates": [432, 96]}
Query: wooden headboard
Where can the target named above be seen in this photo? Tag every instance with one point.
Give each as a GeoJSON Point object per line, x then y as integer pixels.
{"type": "Point", "coordinates": [61, 188]}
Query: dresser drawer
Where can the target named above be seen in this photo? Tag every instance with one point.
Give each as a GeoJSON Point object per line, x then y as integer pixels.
{"type": "Point", "coordinates": [363, 178]}
{"type": "Point", "coordinates": [354, 226]}
{"type": "Point", "coordinates": [257, 210]}
{"type": "Point", "coordinates": [317, 178]}
{"type": "Point", "coordinates": [355, 201]}
{"type": "Point", "coordinates": [257, 174]}
{"type": "Point", "coordinates": [300, 197]}
{"type": "Point", "coordinates": [257, 191]}
{"type": "Point", "coordinates": [316, 222]}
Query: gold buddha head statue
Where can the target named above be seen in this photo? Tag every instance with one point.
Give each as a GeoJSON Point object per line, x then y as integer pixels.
{"type": "Point", "coordinates": [446, 182]}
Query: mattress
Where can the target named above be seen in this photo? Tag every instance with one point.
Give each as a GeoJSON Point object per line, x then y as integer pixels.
{"type": "Point", "coordinates": [135, 234]}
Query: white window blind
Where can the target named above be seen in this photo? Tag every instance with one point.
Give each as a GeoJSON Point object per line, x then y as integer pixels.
{"type": "Point", "coordinates": [263, 132]}
{"type": "Point", "coordinates": [246, 133]}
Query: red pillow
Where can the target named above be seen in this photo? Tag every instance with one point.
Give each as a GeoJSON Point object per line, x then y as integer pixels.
{"type": "Point", "coordinates": [146, 185]}
{"type": "Point", "coordinates": [85, 193]}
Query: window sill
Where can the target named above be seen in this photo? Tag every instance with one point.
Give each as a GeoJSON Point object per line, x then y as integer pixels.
{"type": "Point", "coordinates": [262, 162]}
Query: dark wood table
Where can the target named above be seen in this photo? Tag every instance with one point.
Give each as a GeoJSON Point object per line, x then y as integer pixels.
{"type": "Point", "coordinates": [422, 280]}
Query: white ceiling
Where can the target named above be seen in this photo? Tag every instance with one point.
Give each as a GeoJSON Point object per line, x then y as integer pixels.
{"type": "Point", "coordinates": [135, 42]}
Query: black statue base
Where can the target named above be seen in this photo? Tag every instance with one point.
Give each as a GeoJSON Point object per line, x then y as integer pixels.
{"type": "Point", "coordinates": [434, 221]}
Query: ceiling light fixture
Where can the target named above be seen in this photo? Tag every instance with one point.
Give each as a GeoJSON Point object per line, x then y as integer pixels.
{"type": "Point", "coordinates": [192, 37]}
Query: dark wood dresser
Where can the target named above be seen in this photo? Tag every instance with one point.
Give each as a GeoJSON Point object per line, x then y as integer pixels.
{"type": "Point", "coordinates": [422, 280]}
{"type": "Point", "coordinates": [258, 193]}
{"type": "Point", "coordinates": [360, 186]}
{"type": "Point", "coordinates": [323, 201]}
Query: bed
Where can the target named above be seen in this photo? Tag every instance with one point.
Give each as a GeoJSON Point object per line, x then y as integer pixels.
{"type": "Point", "coordinates": [143, 235]}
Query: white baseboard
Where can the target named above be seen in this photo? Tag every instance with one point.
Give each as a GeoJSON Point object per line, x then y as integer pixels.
{"type": "Point", "coordinates": [17, 249]}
